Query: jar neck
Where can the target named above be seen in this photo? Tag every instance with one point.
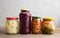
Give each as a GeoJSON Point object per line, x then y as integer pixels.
{"type": "Point", "coordinates": [25, 11]}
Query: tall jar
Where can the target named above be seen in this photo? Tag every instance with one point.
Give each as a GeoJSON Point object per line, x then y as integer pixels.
{"type": "Point", "coordinates": [12, 26]}
{"type": "Point", "coordinates": [36, 25]}
{"type": "Point", "coordinates": [48, 26]}
{"type": "Point", "coordinates": [25, 21]}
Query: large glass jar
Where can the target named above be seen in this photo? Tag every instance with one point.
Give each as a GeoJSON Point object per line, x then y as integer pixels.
{"type": "Point", "coordinates": [36, 25]}
{"type": "Point", "coordinates": [48, 26]}
{"type": "Point", "coordinates": [12, 26]}
{"type": "Point", "coordinates": [25, 21]}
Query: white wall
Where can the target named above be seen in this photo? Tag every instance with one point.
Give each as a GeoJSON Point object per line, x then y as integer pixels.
{"type": "Point", "coordinates": [42, 8]}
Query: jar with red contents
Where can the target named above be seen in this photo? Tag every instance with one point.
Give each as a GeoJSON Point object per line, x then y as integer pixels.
{"type": "Point", "coordinates": [12, 26]}
{"type": "Point", "coordinates": [48, 26]}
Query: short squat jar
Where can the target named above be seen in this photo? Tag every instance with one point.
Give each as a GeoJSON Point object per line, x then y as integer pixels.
{"type": "Point", "coordinates": [48, 26]}
{"type": "Point", "coordinates": [12, 26]}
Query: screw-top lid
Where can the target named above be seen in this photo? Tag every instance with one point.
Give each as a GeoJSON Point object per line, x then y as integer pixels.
{"type": "Point", "coordinates": [12, 18]}
{"type": "Point", "coordinates": [35, 17]}
{"type": "Point", "coordinates": [48, 19]}
{"type": "Point", "coordinates": [25, 9]}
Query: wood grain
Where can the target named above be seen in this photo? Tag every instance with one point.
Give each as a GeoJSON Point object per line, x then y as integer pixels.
{"type": "Point", "coordinates": [55, 35]}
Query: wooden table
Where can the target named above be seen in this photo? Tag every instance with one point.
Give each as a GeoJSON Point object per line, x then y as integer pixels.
{"type": "Point", "coordinates": [55, 35]}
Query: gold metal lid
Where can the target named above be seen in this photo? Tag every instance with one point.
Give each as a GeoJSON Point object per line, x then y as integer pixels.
{"type": "Point", "coordinates": [48, 19]}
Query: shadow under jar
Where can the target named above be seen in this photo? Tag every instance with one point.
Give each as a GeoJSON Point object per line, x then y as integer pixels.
{"type": "Point", "coordinates": [48, 26]}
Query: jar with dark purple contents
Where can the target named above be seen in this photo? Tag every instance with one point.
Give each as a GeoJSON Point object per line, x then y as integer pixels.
{"type": "Point", "coordinates": [25, 21]}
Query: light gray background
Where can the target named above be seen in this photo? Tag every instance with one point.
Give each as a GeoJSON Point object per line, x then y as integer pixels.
{"type": "Point", "coordinates": [42, 8]}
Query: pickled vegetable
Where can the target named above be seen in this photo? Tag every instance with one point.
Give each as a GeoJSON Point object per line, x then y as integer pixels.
{"type": "Point", "coordinates": [36, 25]}
{"type": "Point", "coordinates": [25, 21]}
{"type": "Point", "coordinates": [12, 26]}
{"type": "Point", "coordinates": [48, 26]}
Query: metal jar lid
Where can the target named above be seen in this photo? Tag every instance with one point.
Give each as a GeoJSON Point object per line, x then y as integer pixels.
{"type": "Point", "coordinates": [35, 17]}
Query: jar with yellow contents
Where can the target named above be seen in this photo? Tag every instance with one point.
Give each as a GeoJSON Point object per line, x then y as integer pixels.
{"type": "Point", "coordinates": [12, 26]}
{"type": "Point", "coordinates": [48, 26]}
{"type": "Point", "coordinates": [36, 25]}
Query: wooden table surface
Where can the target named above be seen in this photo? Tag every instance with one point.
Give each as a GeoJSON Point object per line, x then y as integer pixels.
{"type": "Point", "coordinates": [55, 35]}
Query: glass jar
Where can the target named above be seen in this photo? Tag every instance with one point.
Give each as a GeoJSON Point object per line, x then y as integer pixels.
{"type": "Point", "coordinates": [36, 25]}
{"type": "Point", "coordinates": [25, 21]}
{"type": "Point", "coordinates": [48, 26]}
{"type": "Point", "coordinates": [12, 26]}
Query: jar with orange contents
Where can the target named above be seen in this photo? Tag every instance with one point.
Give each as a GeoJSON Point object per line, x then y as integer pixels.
{"type": "Point", "coordinates": [48, 26]}
{"type": "Point", "coordinates": [36, 25]}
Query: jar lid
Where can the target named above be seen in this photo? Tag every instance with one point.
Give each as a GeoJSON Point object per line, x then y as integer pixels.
{"type": "Point", "coordinates": [12, 18]}
{"type": "Point", "coordinates": [48, 19]}
{"type": "Point", "coordinates": [35, 17]}
{"type": "Point", "coordinates": [25, 9]}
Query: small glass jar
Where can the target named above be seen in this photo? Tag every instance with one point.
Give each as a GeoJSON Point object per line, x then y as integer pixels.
{"type": "Point", "coordinates": [36, 25]}
{"type": "Point", "coordinates": [12, 26]}
{"type": "Point", "coordinates": [48, 25]}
